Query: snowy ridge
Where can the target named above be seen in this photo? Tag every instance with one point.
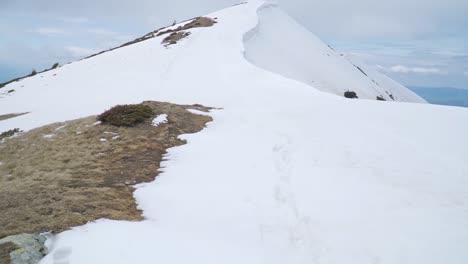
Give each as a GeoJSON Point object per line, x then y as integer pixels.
{"type": "Point", "coordinates": [284, 173]}
{"type": "Point", "coordinates": [279, 44]}
{"type": "Point", "coordinates": [387, 86]}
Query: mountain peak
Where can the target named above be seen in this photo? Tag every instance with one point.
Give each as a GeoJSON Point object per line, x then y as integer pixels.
{"type": "Point", "coordinates": [287, 170]}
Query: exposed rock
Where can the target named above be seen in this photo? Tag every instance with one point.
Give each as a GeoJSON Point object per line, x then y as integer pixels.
{"type": "Point", "coordinates": [22, 249]}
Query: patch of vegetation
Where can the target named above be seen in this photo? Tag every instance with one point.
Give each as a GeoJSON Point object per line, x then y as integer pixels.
{"type": "Point", "coordinates": [5, 250]}
{"type": "Point", "coordinates": [55, 66]}
{"type": "Point", "coordinates": [380, 98]}
{"type": "Point", "coordinates": [52, 184]}
{"type": "Point", "coordinates": [359, 68]}
{"type": "Point", "coordinates": [34, 72]}
{"type": "Point", "coordinates": [8, 116]}
{"type": "Point", "coordinates": [10, 81]}
{"type": "Point", "coordinates": [350, 94]}
{"type": "Point", "coordinates": [9, 133]}
{"type": "Point", "coordinates": [197, 22]}
{"type": "Point", "coordinates": [173, 38]}
{"type": "Point", "coordinates": [126, 115]}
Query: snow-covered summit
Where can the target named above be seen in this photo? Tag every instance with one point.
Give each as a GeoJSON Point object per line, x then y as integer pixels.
{"type": "Point", "coordinates": [281, 45]}
{"type": "Point", "coordinates": [135, 72]}
{"type": "Point", "coordinates": [285, 173]}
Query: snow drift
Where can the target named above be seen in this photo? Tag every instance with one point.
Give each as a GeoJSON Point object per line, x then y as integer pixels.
{"type": "Point", "coordinates": [285, 173]}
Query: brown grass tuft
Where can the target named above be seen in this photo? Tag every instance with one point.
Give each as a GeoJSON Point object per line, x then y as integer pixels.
{"type": "Point", "coordinates": [126, 115]}
{"type": "Point", "coordinates": [5, 250]}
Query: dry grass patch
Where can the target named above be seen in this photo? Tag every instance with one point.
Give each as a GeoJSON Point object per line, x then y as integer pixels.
{"type": "Point", "coordinates": [195, 23]}
{"type": "Point", "coordinates": [180, 32]}
{"type": "Point", "coordinates": [66, 174]}
{"type": "Point", "coordinates": [174, 37]}
{"type": "Point", "coordinates": [5, 250]}
{"type": "Point", "coordinates": [8, 116]}
{"type": "Point", "coordinates": [192, 23]}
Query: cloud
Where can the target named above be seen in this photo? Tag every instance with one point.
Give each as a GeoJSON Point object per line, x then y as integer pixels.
{"type": "Point", "coordinates": [80, 52]}
{"type": "Point", "coordinates": [426, 37]}
{"type": "Point", "coordinates": [99, 31]}
{"type": "Point", "coordinates": [466, 74]}
{"type": "Point", "coordinates": [359, 18]}
{"type": "Point", "coordinates": [74, 20]}
{"type": "Point", "coordinates": [48, 31]}
{"type": "Point", "coordinates": [109, 35]}
{"type": "Point", "coordinates": [406, 69]}
{"type": "Point", "coordinates": [364, 19]}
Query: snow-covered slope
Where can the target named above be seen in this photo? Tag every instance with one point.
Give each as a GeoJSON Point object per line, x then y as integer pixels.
{"type": "Point", "coordinates": [281, 45]}
{"type": "Point", "coordinates": [284, 174]}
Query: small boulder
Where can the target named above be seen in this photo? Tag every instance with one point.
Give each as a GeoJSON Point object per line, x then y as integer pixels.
{"type": "Point", "coordinates": [28, 249]}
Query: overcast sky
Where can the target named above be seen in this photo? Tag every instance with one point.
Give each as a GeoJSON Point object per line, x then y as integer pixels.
{"type": "Point", "coordinates": [417, 42]}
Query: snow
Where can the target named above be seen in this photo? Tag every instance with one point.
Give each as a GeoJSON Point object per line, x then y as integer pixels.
{"type": "Point", "coordinates": [160, 119]}
{"type": "Point", "coordinates": [197, 112]}
{"type": "Point", "coordinates": [60, 128]}
{"type": "Point", "coordinates": [299, 55]}
{"type": "Point", "coordinates": [285, 173]}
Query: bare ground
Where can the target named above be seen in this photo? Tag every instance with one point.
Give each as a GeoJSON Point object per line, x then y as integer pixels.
{"type": "Point", "coordinates": [5, 250]}
{"type": "Point", "coordinates": [195, 23]}
{"type": "Point", "coordinates": [179, 33]}
{"type": "Point", "coordinates": [67, 174]}
{"type": "Point", "coordinates": [8, 116]}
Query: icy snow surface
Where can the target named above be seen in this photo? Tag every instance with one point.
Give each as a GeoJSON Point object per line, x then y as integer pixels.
{"type": "Point", "coordinates": [284, 174]}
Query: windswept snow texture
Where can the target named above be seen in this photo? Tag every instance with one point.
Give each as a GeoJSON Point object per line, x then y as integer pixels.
{"type": "Point", "coordinates": [284, 173]}
{"type": "Point", "coordinates": [279, 44]}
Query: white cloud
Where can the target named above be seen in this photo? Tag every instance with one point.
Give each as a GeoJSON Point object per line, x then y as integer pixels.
{"type": "Point", "coordinates": [48, 31]}
{"type": "Point", "coordinates": [80, 52]}
{"type": "Point", "coordinates": [405, 69]}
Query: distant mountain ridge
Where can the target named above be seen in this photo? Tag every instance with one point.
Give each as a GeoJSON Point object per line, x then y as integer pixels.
{"type": "Point", "coordinates": [443, 95]}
